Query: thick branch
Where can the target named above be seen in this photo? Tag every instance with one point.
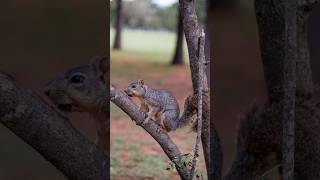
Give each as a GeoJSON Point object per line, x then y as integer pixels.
{"type": "Point", "coordinates": [48, 132]}
{"type": "Point", "coordinates": [131, 109]}
{"type": "Point", "coordinates": [192, 34]}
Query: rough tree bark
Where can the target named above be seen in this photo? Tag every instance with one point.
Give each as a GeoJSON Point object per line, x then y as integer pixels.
{"type": "Point", "coordinates": [199, 105]}
{"type": "Point", "coordinates": [192, 33]}
{"type": "Point", "coordinates": [178, 55]}
{"type": "Point", "coordinates": [119, 24]}
{"type": "Point", "coordinates": [50, 133]}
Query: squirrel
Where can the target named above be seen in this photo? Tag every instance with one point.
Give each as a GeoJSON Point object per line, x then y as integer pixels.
{"type": "Point", "coordinates": [159, 105]}
{"type": "Point", "coordinates": [83, 89]}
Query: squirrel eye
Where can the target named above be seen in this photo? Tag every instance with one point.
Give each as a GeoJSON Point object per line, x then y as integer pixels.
{"type": "Point", "coordinates": [133, 86]}
{"type": "Point", "coordinates": [77, 79]}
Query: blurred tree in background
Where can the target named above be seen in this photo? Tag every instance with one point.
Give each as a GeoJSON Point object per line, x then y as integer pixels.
{"type": "Point", "coordinates": [144, 14]}
{"type": "Point", "coordinates": [178, 55]}
{"type": "Point", "coordinates": [118, 25]}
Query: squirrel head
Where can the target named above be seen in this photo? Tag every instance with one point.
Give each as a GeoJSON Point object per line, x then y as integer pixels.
{"type": "Point", "coordinates": [81, 88]}
{"type": "Point", "coordinates": [136, 89]}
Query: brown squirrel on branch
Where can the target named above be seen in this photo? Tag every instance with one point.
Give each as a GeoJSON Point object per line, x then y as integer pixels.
{"type": "Point", "coordinates": [160, 105]}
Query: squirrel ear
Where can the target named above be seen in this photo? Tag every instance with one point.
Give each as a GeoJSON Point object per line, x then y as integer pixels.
{"type": "Point", "coordinates": [101, 64]}
{"type": "Point", "coordinates": [141, 82]}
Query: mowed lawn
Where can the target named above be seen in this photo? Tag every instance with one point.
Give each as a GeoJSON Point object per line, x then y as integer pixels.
{"type": "Point", "coordinates": [134, 154]}
{"type": "Point", "coordinates": [153, 45]}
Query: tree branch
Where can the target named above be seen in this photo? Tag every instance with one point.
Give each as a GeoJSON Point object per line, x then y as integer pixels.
{"type": "Point", "coordinates": [199, 118]}
{"type": "Point", "coordinates": [192, 34]}
{"type": "Point", "coordinates": [50, 133]}
{"type": "Point", "coordinates": [120, 99]}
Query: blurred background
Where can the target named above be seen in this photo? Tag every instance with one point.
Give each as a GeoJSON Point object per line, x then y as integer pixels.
{"type": "Point", "coordinates": [38, 41]}
{"type": "Point", "coordinates": [149, 46]}
{"type": "Point", "coordinates": [148, 49]}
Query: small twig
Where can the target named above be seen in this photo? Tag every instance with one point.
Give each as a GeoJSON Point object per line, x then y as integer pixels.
{"type": "Point", "coordinates": [201, 62]}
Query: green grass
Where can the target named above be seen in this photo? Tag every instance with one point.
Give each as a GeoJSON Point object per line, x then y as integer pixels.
{"type": "Point", "coordinates": [152, 45]}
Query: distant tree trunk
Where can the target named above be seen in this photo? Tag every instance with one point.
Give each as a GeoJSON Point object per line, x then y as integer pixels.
{"type": "Point", "coordinates": [119, 24]}
{"type": "Point", "coordinates": [178, 55]}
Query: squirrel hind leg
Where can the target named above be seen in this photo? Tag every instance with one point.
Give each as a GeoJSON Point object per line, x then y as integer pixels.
{"type": "Point", "coordinates": [170, 120]}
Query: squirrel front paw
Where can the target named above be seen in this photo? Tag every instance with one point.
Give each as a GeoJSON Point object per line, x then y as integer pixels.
{"type": "Point", "coordinates": [161, 129]}
{"type": "Point", "coordinates": [145, 121]}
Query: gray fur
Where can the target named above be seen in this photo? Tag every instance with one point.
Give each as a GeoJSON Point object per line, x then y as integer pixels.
{"type": "Point", "coordinates": [160, 103]}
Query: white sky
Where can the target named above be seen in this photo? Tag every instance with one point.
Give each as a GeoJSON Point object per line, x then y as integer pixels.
{"type": "Point", "coordinates": [162, 3]}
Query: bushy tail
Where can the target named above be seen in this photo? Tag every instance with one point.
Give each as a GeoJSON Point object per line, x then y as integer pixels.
{"type": "Point", "coordinates": [187, 115]}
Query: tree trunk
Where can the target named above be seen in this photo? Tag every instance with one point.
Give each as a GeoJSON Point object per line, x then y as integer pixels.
{"type": "Point", "coordinates": [278, 38]}
{"type": "Point", "coordinates": [285, 55]}
{"type": "Point", "coordinates": [192, 32]}
{"type": "Point", "coordinates": [178, 55]}
{"type": "Point", "coordinates": [119, 24]}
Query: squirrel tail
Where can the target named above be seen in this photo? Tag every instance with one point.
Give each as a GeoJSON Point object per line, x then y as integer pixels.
{"type": "Point", "coordinates": [187, 114]}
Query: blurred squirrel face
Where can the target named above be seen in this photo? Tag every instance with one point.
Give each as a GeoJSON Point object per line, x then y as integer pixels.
{"type": "Point", "coordinates": [80, 89]}
{"type": "Point", "coordinates": [135, 89]}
